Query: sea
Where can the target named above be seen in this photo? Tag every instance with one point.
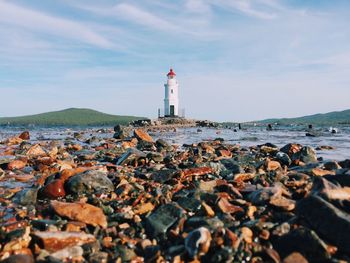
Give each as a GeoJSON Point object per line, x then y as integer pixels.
{"type": "Point", "coordinates": [246, 137]}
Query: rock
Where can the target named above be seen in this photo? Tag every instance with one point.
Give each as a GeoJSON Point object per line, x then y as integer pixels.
{"type": "Point", "coordinates": [189, 204]}
{"type": "Point", "coordinates": [142, 135]}
{"type": "Point", "coordinates": [24, 135]}
{"type": "Point", "coordinates": [197, 243]}
{"type": "Point", "coordinates": [53, 241]}
{"type": "Point", "coordinates": [273, 166]}
{"type": "Point", "coordinates": [290, 149]}
{"type": "Point", "coordinates": [90, 181]}
{"type": "Point", "coordinates": [247, 234]}
{"type": "Point", "coordinates": [98, 257]}
{"type": "Point", "coordinates": [308, 155]}
{"type": "Point", "coordinates": [226, 207]}
{"type": "Point", "coordinates": [120, 132]}
{"type": "Point", "coordinates": [6, 159]}
{"type": "Point", "coordinates": [155, 156]}
{"type": "Point", "coordinates": [16, 165]}
{"type": "Point", "coordinates": [164, 175]}
{"type": "Point", "coordinates": [283, 203]}
{"type": "Point", "coordinates": [262, 196]}
{"type": "Point", "coordinates": [26, 197]}
{"type": "Point", "coordinates": [54, 189]}
{"type": "Point", "coordinates": [333, 165]}
{"type": "Point", "coordinates": [81, 212]}
{"type": "Point", "coordinates": [320, 172]}
{"type": "Point", "coordinates": [163, 218]}
{"type": "Point", "coordinates": [160, 143]}
{"type": "Point", "coordinates": [20, 258]}
{"type": "Point", "coordinates": [35, 151]}
{"type": "Point", "coordinates": [232, 165]}
{"type": "Point", "coordinates": [129, 155]}
{"type": "Point", "coordinates": [283, 158]}
{"type": "Point", "coordinates": [70, 253]}
{"type": "Point", "coordinates": [295, 240]}
{"type": "Point", "coordinates": [295, 257]}
{"type": "Point", "coordinates": [198, 171]}
{"type": "Point", "coordinates": [327, 220]}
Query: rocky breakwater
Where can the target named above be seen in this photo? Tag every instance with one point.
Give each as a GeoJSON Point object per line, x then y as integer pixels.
{"type": "Point", "coordinates": [133, 199]}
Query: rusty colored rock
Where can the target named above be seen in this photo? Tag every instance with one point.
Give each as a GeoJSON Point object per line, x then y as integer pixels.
{"type": "Point", "coordinates": [295, 257]}
{"type": "Point", "coordinates": [273, 165]}
{"type": "Point", "coordinates": [67, 173]}
{"type": "Point", "coordinates": [54, 189]}
{"type": "Point", "coordinates": [247, 234]}
{"type": "Point", "coordinates": [321, 172]}
{"type": "Point", "coordinates": [54, 241]}
{"type": "Point", "coordinates": [197, 171]}
{"type": "Point", "coordinates": [36, 151]}
{"type": "Point", "coordinates": [142, 135]}
{"type": "Point", "coordinates": [16, 165]}
{"type": "Point", "coordinates": [85, 213]}
{"type": "Point", "coordinates": [226, 207]}
{"type": "Point", "coordinates": [24, 135]}
{"type": "Point", "coordinates": [143, 208]}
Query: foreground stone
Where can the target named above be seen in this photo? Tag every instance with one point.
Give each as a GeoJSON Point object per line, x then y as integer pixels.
{"type": "Point", "coordinates": [86, 213]}
{"type": "Point", "coordinates": [55, 241]}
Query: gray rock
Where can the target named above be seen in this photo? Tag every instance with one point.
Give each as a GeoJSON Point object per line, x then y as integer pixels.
{"type": "Point", "coordinates": [120, 132]}
{"type": "Point", "coordinates": [327, 220]}
{"type": "Point", "coordinates": [6, 159]}
{"type": "Point", "coordinates": [283, 158]}
{"type": "Point", "coordinates": [163, 176]}
{"type": "Point", "coordinates": [263, 196]}
{"type": "Point", "coordinates": [308, 155]}
{"type": "Point", "coordinates": [130, 154]}
{"type": "Point", "coordinates": [162, 219]}
{"type": "Point", "coordinates": [232, 165]}
{"type": "Point", "coordinates": [26, 197]}
{"type": "Point", "coordinates": [89, 182]}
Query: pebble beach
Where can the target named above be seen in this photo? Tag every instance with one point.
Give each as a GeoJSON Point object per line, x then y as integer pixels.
{"type": "Point", "coordinates": [192, 195]}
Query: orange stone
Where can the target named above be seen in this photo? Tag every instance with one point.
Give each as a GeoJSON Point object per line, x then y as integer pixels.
{"type": "Point", "coordinates": [197, 171]}
{"type": "Point", "coordinates": [321, 172]}
{"type": "Point", "coordinates": [67, 173]}
{"type": "Point", "coordinates": [273, 165]}
{"type": "Point", "coordinates": [56, 240]}
{"type": "Point", "coordinates": [36, 151]}
{"type": "Point", "coordinates": [226, 207]}
{"type": "Point", "coordinates": [142, 135]}
{"type": "Point", "coordinates": [16, 164]}
{"type": "Point", "coordinates": [81, 212]}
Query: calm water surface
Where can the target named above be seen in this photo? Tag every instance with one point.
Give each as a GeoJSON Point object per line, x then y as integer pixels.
{"type": "Point", "coordinates": [249, 137]}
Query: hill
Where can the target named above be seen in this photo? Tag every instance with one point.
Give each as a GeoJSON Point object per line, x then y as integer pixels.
{"type": "Point", "coordinates": [331, 118]}
{"type": "Point", "coordinates": [69, 117]}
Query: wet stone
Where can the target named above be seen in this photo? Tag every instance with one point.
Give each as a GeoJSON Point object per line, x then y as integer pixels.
{"type": "Point", "coordinates": [198, 242]}
{"type": "Point", "coordinates": [89, 182]}
{"type": "Point", "coordinates": [163, 218]}
{"type": "Point", "coordinates": [26, 197]}
{"type": "Point", "coordinates": [189, 204]}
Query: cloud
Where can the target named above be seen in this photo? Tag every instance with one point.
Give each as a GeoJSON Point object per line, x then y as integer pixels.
{"type": "Point", "coordinates": [40, 22]}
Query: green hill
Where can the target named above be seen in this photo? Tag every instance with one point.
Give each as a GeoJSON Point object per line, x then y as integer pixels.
{"type": "Point", "coordinates": [69, 117]}
{"type": "Point", "coordinates": [331, 118]}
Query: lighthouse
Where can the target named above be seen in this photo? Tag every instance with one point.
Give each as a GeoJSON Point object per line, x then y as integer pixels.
{"type": "Point", "coordinates": [171, 96]}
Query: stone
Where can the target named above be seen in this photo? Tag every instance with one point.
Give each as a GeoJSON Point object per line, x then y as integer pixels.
{"type": "Point", "coordinates": [71, 253]}
{"type": "Point", "coordinates": [81, 212]}
{"type": "Point", "coordinates": [232, 165]}
{"type": "Point", "coordinates": [333, 165]}
{"type": "Point", "coordinates": [155, 156]}
{"type": "Point", "coordinates": [263, 196]}
{"type": "Point", "coordinates": [16, 165]}
{"type": "Point", "coordinates": [283, 158]}
{"type": "Point", "coordinates": [142, 135]}
{"type": "Point", "coordinates": [273, 166]}
{"type": "Point", "coordinates": [295, 257]}
{"type": "Point", "coordinates": [320, 172]}
{"type": "Point", "coordinates": [283, 203]}
{"type": "Point", "coordinates": [130, 154]}
{"type": "Point", "coordinates": [20, 258]}
{"type": "Point", "coordinates": [308, 155]}
{"type": "Point", "coordinates": [26, 196]}
{"type": "Point", "coordinates": [197, 242]}
{"type": "Point", "coordinates": [91, 181]}
{"type": "Point", "coordinates": [163, 175]}
{"type": "Point", "coordinates": [35, 151]}
{"type": "Point", "coordinates": [160, 143]}
{"type": "Point", "coordinates": [198, 171]}
{"type": "Point", "coordinates": [163, 218]}
{"type": "Point", "coordinates": [53, 241]}
{"type": "Point", "coordinates": [189, 204]}
{"type": "Point", "coordinates": [327, 220]}
{"type": "Point", "coordinates": [290, 149]}
{"type": "Point", "coordinates": [226, 207]}
{"type": "Point", "coordinates": [54, 189]}
{"type": "Point", "coordinates": [6, 159]}
{"type": "Point", "coordinates": [247, 234]}
{"type": "Point", "coordinates": [98, 257]}
{"type": "Point", "coordinates": [24, 135]}
{"type": "Point", "coordinates": [296, 240]}
{"type": "Point", "coordinates": [120, 132]}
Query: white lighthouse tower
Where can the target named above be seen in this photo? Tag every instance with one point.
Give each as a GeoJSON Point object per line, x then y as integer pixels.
{"type": "Point", "coordinates": [171, 98]}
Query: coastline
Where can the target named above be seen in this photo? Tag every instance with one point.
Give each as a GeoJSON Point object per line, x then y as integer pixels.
{"type": "Point", "coordinates": [137, 198]}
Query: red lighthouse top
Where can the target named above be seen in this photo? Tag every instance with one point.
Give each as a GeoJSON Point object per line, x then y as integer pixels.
{"type": "Point", "coordinates": [171, 73]}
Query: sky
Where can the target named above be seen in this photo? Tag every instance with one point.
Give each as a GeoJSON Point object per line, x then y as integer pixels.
{"type": "Point", "coordinates": [235, 60]}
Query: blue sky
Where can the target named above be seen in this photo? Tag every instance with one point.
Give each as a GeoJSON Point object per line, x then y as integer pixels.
{"type": "Point", "coordinates": [235, 60]}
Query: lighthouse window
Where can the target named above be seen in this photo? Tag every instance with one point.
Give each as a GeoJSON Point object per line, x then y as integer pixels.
{"type": "Point", "coordinates": [172, 91]}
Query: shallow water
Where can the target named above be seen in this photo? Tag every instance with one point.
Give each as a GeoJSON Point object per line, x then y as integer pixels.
{"type": "Point", "coordinates": [249, 137]}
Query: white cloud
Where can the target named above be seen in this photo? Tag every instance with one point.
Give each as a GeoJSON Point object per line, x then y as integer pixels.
{"type": "Point", "coordinates": [41, 22]}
